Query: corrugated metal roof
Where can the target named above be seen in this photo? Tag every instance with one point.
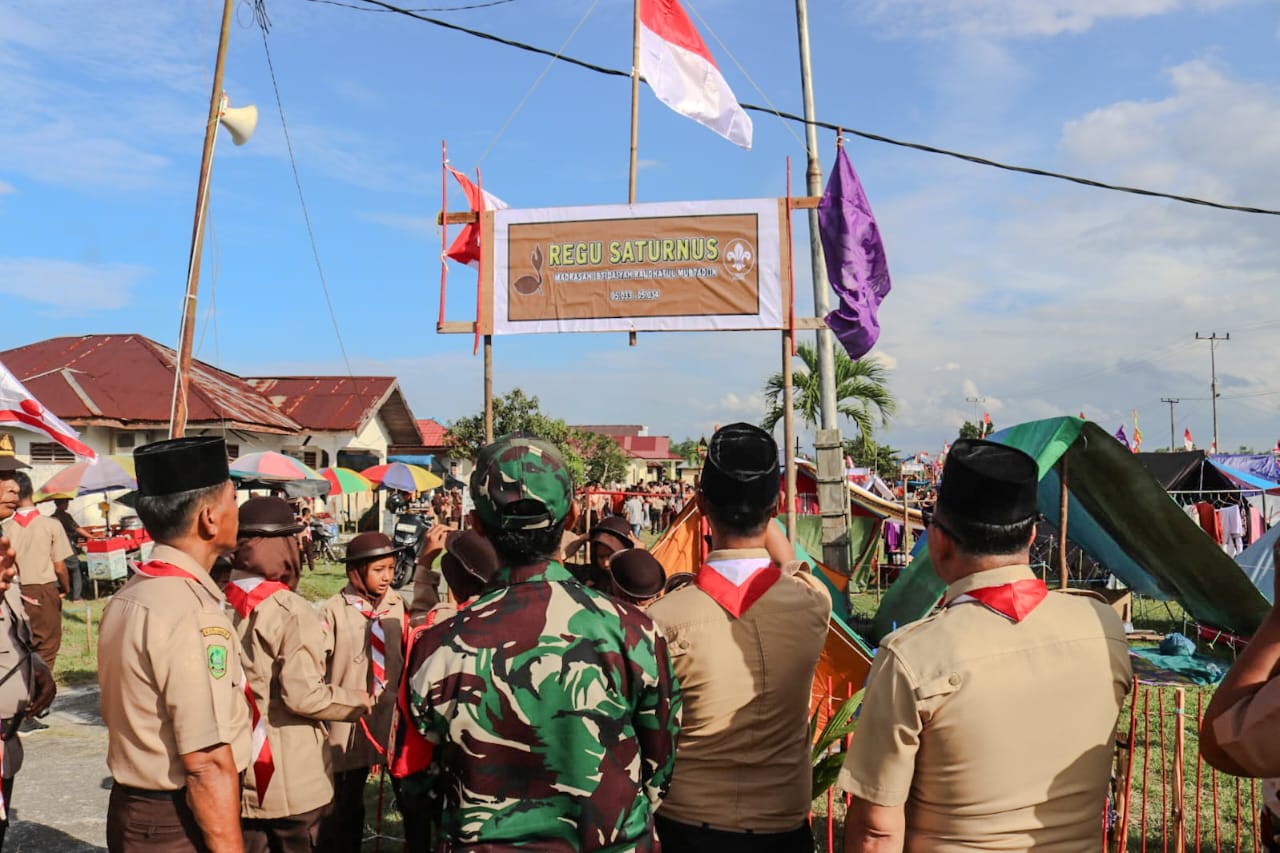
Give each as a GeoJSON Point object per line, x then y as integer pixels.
{"type": "Point", "coordinates": [650, 447]}
{"type": "Point", "coordinates": [615, 430]}
{"type": "Point", "coordinates": [433, 432]}
{"type": "Point", "coordinates": [341, 403]}
{"type": "Point", "coordinates": [127, 381]}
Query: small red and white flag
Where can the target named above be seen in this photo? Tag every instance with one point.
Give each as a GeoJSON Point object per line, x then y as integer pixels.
{"type": "Point", "coordinates": [18, 408]}
{"type": "Point", "coordinates": [466, 248]}
{"type": "Point", "coordinates": [1187, 443]}
{"type": "Point", "coordinates": [676, 64]}
{"type": "Point", "coordinates": [986, 424]}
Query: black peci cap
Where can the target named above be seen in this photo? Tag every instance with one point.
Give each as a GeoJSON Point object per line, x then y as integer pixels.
{"type": "Point", "coordinates": [180, 465]}
{"type": "Point", "coordinates": [741, 470]}
{"type": "Point", "coordinates": [988, 482]}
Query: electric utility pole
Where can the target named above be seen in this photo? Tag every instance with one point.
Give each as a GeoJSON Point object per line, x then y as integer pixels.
{"type": "Point", "coordinates": [1172, 401]}
{"type": "Point", "coordinates": [976, 402]}
{"type": "Point", "coordinates": [1213, 339]}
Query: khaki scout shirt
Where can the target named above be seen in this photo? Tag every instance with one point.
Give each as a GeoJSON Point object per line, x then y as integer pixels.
{"type": "Point", "coordinates": [958, 723]}
{"type": "Point", "coordinates": [743, 754]}
{"type": "Point", "coordinates": [349, 667]}
{"type": "Point", "coordinates": [283, 645]}
{"type": "Point", "coordinates": [170, 676]}
{"type": "Point", "coordinates": [15, 652]}
{"type": "Point", "coordinates": [1247, 731]}
{"type": "Point", "coordinates": [38, 546]}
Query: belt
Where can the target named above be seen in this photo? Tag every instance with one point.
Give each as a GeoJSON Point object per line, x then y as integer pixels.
{"type": "Point", "coordinates": [145, 793]}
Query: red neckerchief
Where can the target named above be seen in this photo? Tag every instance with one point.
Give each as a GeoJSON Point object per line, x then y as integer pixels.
{"type": "Point", "coordinates": [161, 569]}
{"type": "Point", "coordinates": [243, 600]}
{"type": "Point", "coordinates": [1014, 601]}
{"type": "Point", "coordinates": [25, 516]}
{"type": "Point", "coordinates": [736, 584]}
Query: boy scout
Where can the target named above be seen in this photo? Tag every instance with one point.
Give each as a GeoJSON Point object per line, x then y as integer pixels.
{"type": "Point", "coordinates": [950, 753]}
{"type": "Point", "coordinates": [172, 687]}
{"type": "Point", "coordinates": [42, 548]}
{"type": "Point", "coordinates": [26, 682]}
{"type": "Point", "coordinates": [283, 644]}
{"type": "Point", "coordinates": [368, 623]}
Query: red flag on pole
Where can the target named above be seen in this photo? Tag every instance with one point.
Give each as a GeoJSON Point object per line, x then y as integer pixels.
{"type": "Point", "coordinates": [18, 408]}
{"type": "Point", "coordinates": [1187, 443]}
{"type": "Point", "coordinates": [466, 248]}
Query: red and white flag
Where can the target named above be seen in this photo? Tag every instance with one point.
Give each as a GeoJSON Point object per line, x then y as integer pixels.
{"type": "Point", "coordinates": [466, 248]}
{"type": "Point", "coordinates": [1187, 443]}
{"type": "Point", "coordinates": [18, 408]}
{"type": "Point", "coordinates": [676, 64]}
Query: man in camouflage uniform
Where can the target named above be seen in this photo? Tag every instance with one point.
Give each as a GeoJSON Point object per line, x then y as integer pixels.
{"type": "Point", "coordinates": [553, 708]}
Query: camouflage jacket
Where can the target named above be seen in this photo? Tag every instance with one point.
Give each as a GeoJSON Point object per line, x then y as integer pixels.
{"type": "Point", "coordinates": [555, 712]}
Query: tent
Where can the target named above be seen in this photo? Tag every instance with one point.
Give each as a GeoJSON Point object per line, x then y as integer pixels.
{"type": "Point", "coordinates": [1262, 465]}
{"type": "Point", "coordinates": [1186, 472]}
{"type": "Point", "coordinates": [1118, 513]}
{"type": "Point", "coordinates": [846, 658]}
{"type": "Point", "coordinates": [1258, 561]}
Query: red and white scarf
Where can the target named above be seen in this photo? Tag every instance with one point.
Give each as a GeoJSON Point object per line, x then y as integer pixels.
{"type": "Point", "coordinates": [25, 516]}
{"type": "Point", "coordinates": [244, 596]}
{"type": "Point", "coordinates": [736, 584]}
{"type": "Point", "coordinates": [1014, 601]}
{"type": "Point", "coordinates": [377, 640]}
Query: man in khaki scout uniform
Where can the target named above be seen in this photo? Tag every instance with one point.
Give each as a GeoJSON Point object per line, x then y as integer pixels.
{"type": "Point", "coordinates": [951, 752]}
{"type": "Point", "coordinates": [42, 548]}
{"type": "Point", "coordinates": [172, 686]}
{"type": "Point", "coordinates": [283, 644]}
{"type": "Point", "coordinates": [744, 641]}
{"type": "Point", "coordinates": [26, 682]}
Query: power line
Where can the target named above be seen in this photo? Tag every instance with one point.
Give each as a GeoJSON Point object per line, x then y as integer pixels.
{"type": "Point", "coordinates": [839, 128]}
{"type": "Point", "coordinates": [421, 9]}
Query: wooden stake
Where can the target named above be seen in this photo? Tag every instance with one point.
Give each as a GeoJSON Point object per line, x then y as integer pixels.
{"type": "Point", "coordinates": [788, 434]}
{"type": "Point", "coordinates": [186, 336]}
{"type": "Point", "coordinates": [1063, 568]}
{"type": "Point", "coordinates": [88, 629]}
{"type": "Point", "coordinates": [1179, 749]}
{"type": "Point", "coordinates": [488, 389]}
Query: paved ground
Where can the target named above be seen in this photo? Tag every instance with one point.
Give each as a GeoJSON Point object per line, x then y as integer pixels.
{"type": "Point", "coordinates": [60, 797]}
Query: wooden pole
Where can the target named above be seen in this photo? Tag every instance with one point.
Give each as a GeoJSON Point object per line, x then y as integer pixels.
{"type": "Point", "coordinates": [488, 389]}
{"type": "Point", "coordinates": [788, 433]}
{"type": "Point", "coordinates": [88, 628]}
{"type": "Point", "coordinates": [635, 115]}
{"type": "Point", "coordinates": [186, 336]}
{"type": "Point", "coordinates": [906, 524]}
{"type": "Point", "coordinates": [1179, 748]}
{"type": "Point", "coordinates": [1063, 568]}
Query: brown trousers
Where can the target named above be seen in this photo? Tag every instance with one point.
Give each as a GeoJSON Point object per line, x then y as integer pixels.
{"type": "Point", "coordinates": [342, 829]}
{"type": "Point", "coordinates": [151, 822]}
{"type": "Point", "coordinates": [45, 616]}
{"type": "Point", "coordinates": [294, 834]}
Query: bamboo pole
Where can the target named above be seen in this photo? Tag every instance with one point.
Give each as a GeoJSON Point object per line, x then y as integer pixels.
{"type": "Point", "coordinates": [1179, 750]}
{"type": "Point", "coordinates": [788, 433]}
{"type": "Point", "coordinates": [488, 389]}
{"type": "Point", "coordinates": [88, 629]}
{"type": "Point", "coordinates": [635, 115]}
{"type": "Point", "coordinates": [186, 335]}
{"type": "Point", "coordinates": [1063, 568]}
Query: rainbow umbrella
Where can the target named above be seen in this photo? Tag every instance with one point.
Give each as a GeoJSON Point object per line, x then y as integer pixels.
{"type": "Point", "coordinates": [344, 481]}
{"type": "Point", "coordinates": [406, 478]}
{"type": "Point", "coordinates": [271, 466]}
{"type": "Point", "coordinates": [103, 475]}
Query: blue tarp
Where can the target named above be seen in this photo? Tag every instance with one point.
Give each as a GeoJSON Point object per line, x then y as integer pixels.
{"type": "Point", "coordinates": [1247, 480]}
{"type": "Point", "coordinates": [421, 459]}
{"type": "Point", "coordinates": [1258, 561]}
{"type": "Point", "coordinates": [1262, 465]}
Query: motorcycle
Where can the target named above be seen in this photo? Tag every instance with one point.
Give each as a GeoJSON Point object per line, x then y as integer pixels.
{"type": "Point", "coordinates": [322, 541]}
{"type": "Point", "coordinates": [410, 534]}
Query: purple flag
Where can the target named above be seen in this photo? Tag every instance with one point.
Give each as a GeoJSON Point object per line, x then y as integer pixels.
{"type": "Point", "coordinates": [1122, 438]}
{"type": "Point", "coordinates": [856, 265]}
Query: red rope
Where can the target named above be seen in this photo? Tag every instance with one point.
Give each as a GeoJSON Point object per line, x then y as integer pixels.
{"type": "Point", "coordinates": [1217, 824]}
{"type": "Point", "coordinates": [791, 266]}
{"type": "Point", "coordinates": [444, 225]}
{"type": "Point", "coordinates": [848, 798]}
{"type": "Point", "coordinates": [1237, 778]}
{"type": "Point", "coordinates": [1123, 834]}
{"type": "Point", "coordinates": [475, 346]}
{"type": "Point", "coordinates": [1165, 806]}
{"type": "Point", "coordinates": [1199, 766]}
{"type": "Point", "coordinates": [1146, 760]}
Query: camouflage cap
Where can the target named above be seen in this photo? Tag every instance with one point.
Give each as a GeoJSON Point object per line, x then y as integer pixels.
{"type": "Point", "coordinates": [521, 482]}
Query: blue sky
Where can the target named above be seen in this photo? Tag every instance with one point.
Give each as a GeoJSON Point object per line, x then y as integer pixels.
{"type": "Point", "coordinates": [1042, 297]}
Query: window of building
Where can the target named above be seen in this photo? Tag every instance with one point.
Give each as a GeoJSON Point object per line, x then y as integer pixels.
{"type": "Point", "coordinates": [233, 451]}
{"type": "Point", "coordinates": [48, 451]}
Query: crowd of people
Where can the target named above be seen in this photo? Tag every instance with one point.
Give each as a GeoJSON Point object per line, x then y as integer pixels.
{"type": "Point", "coordinates": [556, 691]}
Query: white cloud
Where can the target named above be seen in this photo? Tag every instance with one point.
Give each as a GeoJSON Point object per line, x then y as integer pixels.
{"type": "Point", "coordinates": [70, 286]}
{"type": "Point", "coordinates": [7, 188]}
{"type": "Point", "coordinates": [1013, 18]}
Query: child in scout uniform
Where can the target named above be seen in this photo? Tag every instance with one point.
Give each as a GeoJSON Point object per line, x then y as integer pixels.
{"type": "Point", "coordinates": [283, 646]}
{"type": "Point", "coordinates": [367, 620]}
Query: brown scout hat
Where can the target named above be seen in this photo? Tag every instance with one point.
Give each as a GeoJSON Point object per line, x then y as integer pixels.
{"type": "Point", "coordinates": [8, 458]}
{"type": "Point", "coordinates": [615, 526]}
{"type": "Point", "coordinates": [637, 574]}
{"type": "Point", "coordinates": [265, 516]}
{"type": "Point", "coordinates": [369, 546]}
{"type": "Point", "coordinates": [469, 561]}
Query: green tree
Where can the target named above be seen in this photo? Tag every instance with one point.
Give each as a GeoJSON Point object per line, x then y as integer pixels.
{"type": "Point", "coordinates": [881, 458]}
{"type": "Point", "coordinates": [862, 392]}
{"type": "Point", "coordinates": [969, 429]}
{"type": "Point", "coordinates": [686, 450]}
{"type": "Point", "coordinates": [591, 457]}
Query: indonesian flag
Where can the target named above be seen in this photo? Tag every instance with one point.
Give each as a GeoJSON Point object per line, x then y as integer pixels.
{"type": "Point", "coordinates": [466, 248]}
{"type": "Point", "coordinates": [676, 64]}
{"type": "Point", "coordinates": [986, 424]}
{"type": "Point", "coordinates": [1187, 443]}
{"type": "Point", "coordinates": [19, 409]}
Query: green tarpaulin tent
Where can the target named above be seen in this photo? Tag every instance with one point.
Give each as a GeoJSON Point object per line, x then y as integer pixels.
{"type": "Point", "coordinates": [1118, 513]}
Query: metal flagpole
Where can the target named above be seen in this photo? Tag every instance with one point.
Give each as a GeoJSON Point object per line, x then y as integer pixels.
{"type": "Point", "coordinates": [635, 114]}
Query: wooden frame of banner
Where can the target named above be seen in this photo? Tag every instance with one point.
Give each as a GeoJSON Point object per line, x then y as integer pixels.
{"type": "Point", "coordinates": [483, 326]}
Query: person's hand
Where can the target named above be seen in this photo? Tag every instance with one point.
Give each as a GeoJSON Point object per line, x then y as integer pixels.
{"type": "Point", "coordinates": [368, 700]}
{"type": "Point", "coordinates": [434, 544]}
{"type": "Point", "coordinates": [43, 687]}
{"type": "Point", "coordinates": [8, 569]}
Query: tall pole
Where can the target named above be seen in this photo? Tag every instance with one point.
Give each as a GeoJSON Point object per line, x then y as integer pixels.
{"type": "Point", "coordinates": [789, 430]}
{"type": "Point", "coordinates": [976, 402]}
{"type": "Point", "coordinates": [1213, 339]}
{"type": "Point", "coordinates": [826, 355]}
{"type": "Point", "coordinates": [186, 335]}
{"type": "Point", "coordinates": [1064, 494]}
{"type": "Point", "coordinates": [635, 114]}
{"type": "Point", "coordinates": [1172, 401]}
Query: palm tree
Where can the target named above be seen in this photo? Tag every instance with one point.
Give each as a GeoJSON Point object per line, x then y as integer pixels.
{"type": "Point", "coordinates": [862, 392]}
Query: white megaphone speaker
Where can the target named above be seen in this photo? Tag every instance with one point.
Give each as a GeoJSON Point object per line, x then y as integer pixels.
{"type": "Point", "coordinates": [239, 122]}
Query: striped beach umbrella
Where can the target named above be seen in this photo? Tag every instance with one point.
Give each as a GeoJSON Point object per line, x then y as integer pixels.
{"type": "Point", "coordinates": [406, 478]}
{"type": "Point", "coordinates": [271, 466]}
{"type": "Point", "coordinates": [344, 481]}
